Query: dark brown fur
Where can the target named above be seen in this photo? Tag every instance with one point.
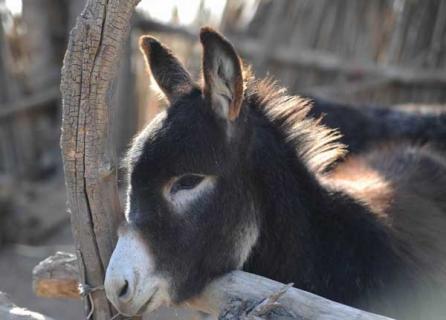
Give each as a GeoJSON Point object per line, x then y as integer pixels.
{"type": "Point", "coordinates": [403, 186]}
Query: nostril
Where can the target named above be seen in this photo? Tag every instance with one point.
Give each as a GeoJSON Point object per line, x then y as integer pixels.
{"type": "Point", "coordinates": [124, 290]}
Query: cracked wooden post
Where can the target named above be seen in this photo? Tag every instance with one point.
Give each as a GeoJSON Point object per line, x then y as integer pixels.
{"type": "Point", "coordinates": [90, 67]}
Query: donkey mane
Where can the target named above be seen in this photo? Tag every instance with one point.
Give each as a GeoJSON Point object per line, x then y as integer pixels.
{"type": "Point", "coordinates": [315, 144]}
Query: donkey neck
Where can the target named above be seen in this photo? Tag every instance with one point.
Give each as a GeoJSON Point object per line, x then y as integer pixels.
{"type": "Point", "coordinates": [317, 238]}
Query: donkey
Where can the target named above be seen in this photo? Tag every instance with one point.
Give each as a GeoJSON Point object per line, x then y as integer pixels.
{"type": "Point", "coordinates": [236, 175]}
{"type": "Point", "coordinates": [366, 126]}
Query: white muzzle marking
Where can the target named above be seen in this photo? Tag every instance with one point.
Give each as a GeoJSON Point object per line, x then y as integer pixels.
{"type": "Point", "coordinates": [131, 283]}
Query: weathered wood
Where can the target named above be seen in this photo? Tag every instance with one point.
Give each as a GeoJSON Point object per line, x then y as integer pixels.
{"type": "Point", "coordinates": [244, 290]}
{"type": "Point", "coordinates": [319, 43]}
{"type": "Point", "coordinates": [42, 64]}
{"type": "Point", "coordinates": [57, 277]}
{"type": "Point", "coordinates": [10, 154]}
{"type": "Point", "coordinates": [233, 296]}
{"type": "Point", "coordinates": [29, 76]}
{"type": "Point", "coordinates": [126, 108]}
{"type": "Point", "coordinates": [146, 24]}
{"type": "Point", "coordinates": [3, 69]}
{"type": "Point", "coordinates": [39, 99]}
{"type": "Point", "coordinates": [329, 62]}
{"type": "Point", "coordinates": [9, 311]}
{"type": "Point", "coordinates": [90, 67]}
{"type": "Point", "coordinates": [269, 37]}
{"type": "Point", "coordinates": [298, 56]}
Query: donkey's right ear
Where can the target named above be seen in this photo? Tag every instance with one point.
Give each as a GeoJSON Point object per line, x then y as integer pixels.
{"type": "Point", "coordinates": [169, 73]}
{"type": "Point", "coordinates": [223, 76]}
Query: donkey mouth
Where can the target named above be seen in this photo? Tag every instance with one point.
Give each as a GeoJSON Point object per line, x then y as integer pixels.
{"type": "Point", "coordinates": [146, 305]}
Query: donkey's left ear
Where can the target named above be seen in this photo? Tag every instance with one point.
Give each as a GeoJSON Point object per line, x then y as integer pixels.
{"type": "Point", "coordinates": [169, 73]}
{"type": "Point", "coordinates": [223, 79]}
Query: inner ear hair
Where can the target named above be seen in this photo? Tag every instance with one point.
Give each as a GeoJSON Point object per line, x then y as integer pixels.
{"type": "Point", "coordinates": [222, 73]}
{"type": "Point", "coordinates": [171, 76]}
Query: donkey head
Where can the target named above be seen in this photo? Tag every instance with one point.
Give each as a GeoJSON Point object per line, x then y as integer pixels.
{"type": "Point", "coordinates": [190, 213]}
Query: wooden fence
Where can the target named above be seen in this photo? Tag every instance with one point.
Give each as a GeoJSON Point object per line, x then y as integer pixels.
{"type": "Point", "coordinates": [379, 52]}
{"type": "Point", "coordinates": [29, 80]}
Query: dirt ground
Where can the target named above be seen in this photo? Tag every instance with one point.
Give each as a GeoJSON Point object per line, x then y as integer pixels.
{"type": "Point", "coordinates": [16, 264]}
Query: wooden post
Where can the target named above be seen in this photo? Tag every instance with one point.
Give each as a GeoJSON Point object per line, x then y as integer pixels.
{"type": "Point", "coordinates": [90, 67]}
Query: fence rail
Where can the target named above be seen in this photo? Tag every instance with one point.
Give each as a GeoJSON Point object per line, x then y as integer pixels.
{"type": "Point", "coordinates": [237, 295]}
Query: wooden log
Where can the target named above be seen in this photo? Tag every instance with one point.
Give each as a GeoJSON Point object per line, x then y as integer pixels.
{"type": "Point", "coordinates": [9, 311]}
{"type": "Point", "coordinates": [89, 69]}
{"type": "Point", "coordinates": [57, 277]}
{"type": "Point", "coordinates": [237, 295]}
{"type": "Point", "coordinates": [238, 292]}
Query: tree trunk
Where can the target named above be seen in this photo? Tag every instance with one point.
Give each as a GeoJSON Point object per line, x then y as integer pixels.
{"type": "Point", "coordinates": [90, 67]}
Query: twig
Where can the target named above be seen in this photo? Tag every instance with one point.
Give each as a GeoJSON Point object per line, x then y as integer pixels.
{"type": "Point", "coordinates": [267, 304]}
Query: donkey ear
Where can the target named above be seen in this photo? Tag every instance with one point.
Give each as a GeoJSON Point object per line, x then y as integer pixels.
{"type": "Point", "coordinates": [222, 72]}
{"type": "Point", "coordinates": [169, 73]}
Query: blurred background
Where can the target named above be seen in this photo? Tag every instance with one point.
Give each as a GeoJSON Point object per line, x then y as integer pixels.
{"type": "Point", "coordinates": [379, 52]}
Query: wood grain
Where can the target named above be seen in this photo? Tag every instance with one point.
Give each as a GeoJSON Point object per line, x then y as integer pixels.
{"type": "Point", "coordinates": [233, 296]}
{"type": "Point", "coordinates": [89, 69]}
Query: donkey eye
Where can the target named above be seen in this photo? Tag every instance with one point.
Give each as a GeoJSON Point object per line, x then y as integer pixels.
{"type": "Point", "coordinates": [186, 182]}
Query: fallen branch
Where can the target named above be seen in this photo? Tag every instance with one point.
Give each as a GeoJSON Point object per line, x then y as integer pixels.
{"type": "Point", "coordinates": [237, 295]}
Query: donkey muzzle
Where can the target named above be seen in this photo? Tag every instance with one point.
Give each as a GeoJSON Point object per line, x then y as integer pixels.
{"type": "Point", "coordinates": [131, 284]}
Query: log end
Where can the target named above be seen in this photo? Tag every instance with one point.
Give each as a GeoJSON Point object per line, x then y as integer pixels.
{"type": "Point", "coordinates": [56, 288]}
{"type": "Point", "coordinates": [57, 277]}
